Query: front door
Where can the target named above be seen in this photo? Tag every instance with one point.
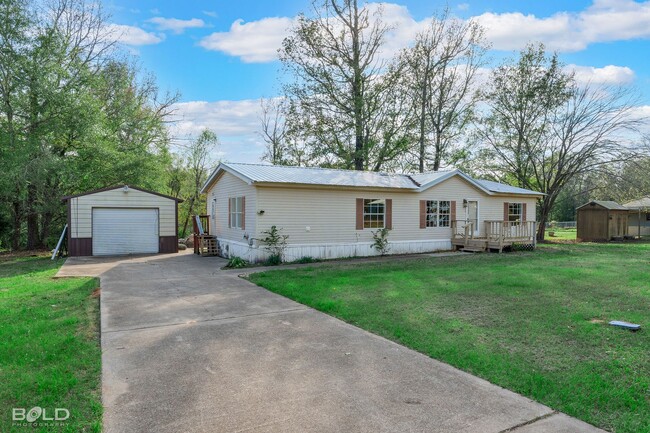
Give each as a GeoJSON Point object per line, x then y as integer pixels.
{"type": "Point", "coordinates": [472, 215]}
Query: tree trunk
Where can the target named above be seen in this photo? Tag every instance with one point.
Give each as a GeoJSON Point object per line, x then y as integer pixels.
{"type": "Point", "coordinates": [15, 241]}
{"type": "Point", "coordinates": [437, 158]}
{"type": "Point", "coordinates": [544, 212]}
{"type": "Point", "coordinates": [187, 217]}
{"type": "Point", "coordinates": [46, 226]}
{"type": "Point", "coordinates": [32, 218]}
{"type": "Point", "coordinates": [423, 107]}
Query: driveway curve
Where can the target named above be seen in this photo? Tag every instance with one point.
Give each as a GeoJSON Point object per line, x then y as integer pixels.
{"type": "Point", "coordinates": [187, 347]}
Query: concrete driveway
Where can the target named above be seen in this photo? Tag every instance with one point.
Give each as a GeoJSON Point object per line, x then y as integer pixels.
{"type": "Point", "coordinates": [189, 348]}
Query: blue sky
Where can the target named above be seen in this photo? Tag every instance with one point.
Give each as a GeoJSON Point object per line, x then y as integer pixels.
{"type": "Point", "coordinates": [221, 55]}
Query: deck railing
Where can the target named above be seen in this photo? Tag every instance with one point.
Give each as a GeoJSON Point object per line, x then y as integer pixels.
{"type": "Point", "coordinates": [495, 231]}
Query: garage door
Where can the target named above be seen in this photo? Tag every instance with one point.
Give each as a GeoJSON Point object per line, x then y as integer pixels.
{"type": "Point", "coordinates": [124, 231]}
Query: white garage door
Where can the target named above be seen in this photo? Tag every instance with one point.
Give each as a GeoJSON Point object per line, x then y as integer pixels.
{"type": "Point", "coordinates": [124, 231]}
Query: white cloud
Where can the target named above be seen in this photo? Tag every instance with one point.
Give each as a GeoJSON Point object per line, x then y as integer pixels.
{"type": "Point", "coordinates": [609, 74]}
{"type": "Point", "coordinates": [603, 21]}
{"type": "Point", "coordinates": [175, 25]}
{"type": "Point", "coordinates": [463, 6]}
{"type": "Point", "coordinates": [235, 122]}
{"type": "Point", "coordinates": [131, 35]}
{"type": "Point", "coordinates": [253, 42]}
{"type": "Point", "coordinates": [212, 14]}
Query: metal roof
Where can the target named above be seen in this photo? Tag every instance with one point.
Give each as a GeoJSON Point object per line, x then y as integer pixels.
{"type": "Point", "coordinates": [642, 203]}
{"type": "Point", "coordinates": [260, 173]}
{"type": "Point", "coordinates": [320, 176]}
{"type": "Point", "coordinates": [607, 204]}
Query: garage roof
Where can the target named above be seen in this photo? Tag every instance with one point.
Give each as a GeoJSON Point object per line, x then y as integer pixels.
{"type": "Point", "coordinates": [110, 188]}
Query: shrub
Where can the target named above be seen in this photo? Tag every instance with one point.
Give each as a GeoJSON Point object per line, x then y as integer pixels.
{"type": "Point", "coordinates": [274, 260]}
{"type": "Point", "coordinates": [380, 241]}
{"type": "Point", "coordinates": [236, 262]}
{"type": "Point", "coordinates": [275, 243]}
{"type": "Point", "coordinates": [306, 259]}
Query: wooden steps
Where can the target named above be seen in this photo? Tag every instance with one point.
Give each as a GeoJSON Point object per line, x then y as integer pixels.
{"type": "Point", "coordinates": [208, 245]}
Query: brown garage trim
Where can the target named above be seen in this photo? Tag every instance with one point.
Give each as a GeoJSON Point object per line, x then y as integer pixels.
{"type": "Point", "coordinates": [80, 247]}
{"type": "Point", "coordinates": [109, 188]}
{"type": "Point", "coordinates": [168, 244]}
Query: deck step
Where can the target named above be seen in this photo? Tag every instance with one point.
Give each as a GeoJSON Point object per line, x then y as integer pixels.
{"type": "Point", "coordinates": [473, 249]}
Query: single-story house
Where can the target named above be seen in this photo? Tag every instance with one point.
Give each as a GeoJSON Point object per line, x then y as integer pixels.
{"type": "Point", "coordinates": [601, 220]}
{"type": "Point", "coordinates": [639, 218]}
{"type": "Point", "coordinates": [329, 213]}
{"type": "Point", "coordinates": [121, 220]}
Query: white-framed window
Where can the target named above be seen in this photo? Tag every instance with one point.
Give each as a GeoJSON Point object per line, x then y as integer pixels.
{"type": "Point", "coordinates": [236, 212]}
{"type": "Point", "coordinates": [374, 213]}
{"type": "Point", "coordinates": [515, 212]}
{"type": "Point", "coordinates": [438, 213]}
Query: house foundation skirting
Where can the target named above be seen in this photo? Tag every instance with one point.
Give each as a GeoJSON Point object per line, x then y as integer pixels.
{"type": "Point", "coordinates": [293, 252]}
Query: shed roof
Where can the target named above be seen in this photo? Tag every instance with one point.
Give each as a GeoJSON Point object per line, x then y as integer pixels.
{"type": "Point", "coordinates": [260, 173]}
{"type": "Point", "coordinates": [611, 205]}
{"type": "Point", "coordinates": [642, 203]}
{"type": "Point", "coordinates": [110, 188]}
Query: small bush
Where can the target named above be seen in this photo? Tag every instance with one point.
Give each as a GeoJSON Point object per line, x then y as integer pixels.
{"type": "Point", "coordinates": [275, 243]}
{"type": "Point", "coordinates": [380, 241]}
{"type": "Point", "coordinates": [274, 260]}
{"type": "Point", "coordinates": [306, 259]}
{"type": "Point", "coordinates": [236, 262]}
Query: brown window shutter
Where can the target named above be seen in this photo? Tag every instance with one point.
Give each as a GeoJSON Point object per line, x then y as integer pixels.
{"type": "Point", "coordinates": [359, 214]}
{"type": "Point", "coordinates": [389, 214]}
{"type": "Point", "coordinates": [423, 214]}
{"type": "Point", "coordinates": [505, 211]}
{"type": "Point", "coordinates": [523, 212]}
{"type": "Point", "coordinates": [243, 213]}
{"type": "Point", "coordinates": [229, 214]}
{"type": "Point", "coordinates": [453, 211]}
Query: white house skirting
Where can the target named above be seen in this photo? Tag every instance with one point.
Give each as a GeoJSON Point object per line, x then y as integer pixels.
{"type": "Point", "coordinates": [293, 252]}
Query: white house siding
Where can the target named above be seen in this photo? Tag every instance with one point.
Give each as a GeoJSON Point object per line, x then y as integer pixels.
{"type": "Point", "coordinates": [232, 241]}
{"type": "Point", "coordinates": [81, 209]}
{"type": "Point", "coordinates": [321, 222]}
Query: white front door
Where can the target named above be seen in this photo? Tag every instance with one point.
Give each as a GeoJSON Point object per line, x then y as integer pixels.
{"type": "Point", "coordinates": [118, 231]}
{"type": "Point", "coordinates": [472, 215]}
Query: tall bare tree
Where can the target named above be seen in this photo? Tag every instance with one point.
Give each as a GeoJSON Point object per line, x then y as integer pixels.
{"type": "Point", "coordinates": [198, 156]}
{"type": "Point", "coordinates": [543, 130]}
{"type": "Point", "coordinates": [273, 130]}
{"type": "Point", "coordinates": [441, 68]}
{"type": "Point", "coordinates": [334, 58]}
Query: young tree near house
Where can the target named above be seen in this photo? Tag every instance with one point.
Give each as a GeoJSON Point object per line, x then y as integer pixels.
{"type": "Point", "coordinates": [198, 157]}
{"type": "Point", "coordinates": [543, 131]}
{"type": "Point", "coordinates": [273, 130]}
{"type": "Point", "coordinates": [334, 59]}
{"type": "Point", "coordinates": [441, 68]}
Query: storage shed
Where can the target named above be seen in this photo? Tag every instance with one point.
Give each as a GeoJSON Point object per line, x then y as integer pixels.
{"type": "Point", "coordinates": [122, 220]}
{"type": "Point", "coordinates": [601, 221]}
{"type": "Point", "coordinates": [639, 221]}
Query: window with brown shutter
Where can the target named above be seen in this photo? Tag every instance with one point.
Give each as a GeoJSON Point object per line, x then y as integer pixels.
{"type": "Point", "coordinates": [505, 211]}
{"type": "Point", "coordinates": [236, 211]}
{"type": "Point", "coordinates": [389, 214]}
{"type": "Point", "coordinates": [523, 212]}
{"type": "Point", "coordinates": [423, 214]}
{"type": "Point", "coordinates": [359, 214]}
{"type": "Point", "coordinates": [453, 210]}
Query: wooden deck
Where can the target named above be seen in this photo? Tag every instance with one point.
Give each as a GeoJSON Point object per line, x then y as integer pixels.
{"type": "Point", "coordinates": [494, 235]}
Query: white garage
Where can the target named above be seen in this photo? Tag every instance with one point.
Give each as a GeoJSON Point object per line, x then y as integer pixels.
{"type": "Point", "coordinates": [122, 220]}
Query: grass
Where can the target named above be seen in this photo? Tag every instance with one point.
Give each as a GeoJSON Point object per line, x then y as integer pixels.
{"type": "Point", "coordinates": [535, 323]}
{"type": "Point", "coordinates": [562, 235]}
{"type": "Point", "coordinates": [49, 345]}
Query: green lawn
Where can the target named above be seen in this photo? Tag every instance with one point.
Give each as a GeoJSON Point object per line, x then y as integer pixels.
{"type": "Point", "coordinates": [534, 322]}
{"type": "Point", "coordinates": [49, 345]}
{"type": "Point", "coordinates": [561, 235]}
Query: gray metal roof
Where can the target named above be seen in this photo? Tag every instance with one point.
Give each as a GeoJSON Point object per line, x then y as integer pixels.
{"type": "Point", "coordinates": [642, 203]}
{"type": "Point", "coordinates": [320, 176]}
{"type": "Point", "coordinates": [260, 173]}
{"type": "Point", "coordinates": [611, 205]}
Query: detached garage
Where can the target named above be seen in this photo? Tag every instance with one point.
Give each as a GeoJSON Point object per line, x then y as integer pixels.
{"type": "Point", "coordinates": [122, 220]}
